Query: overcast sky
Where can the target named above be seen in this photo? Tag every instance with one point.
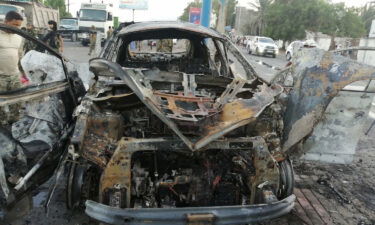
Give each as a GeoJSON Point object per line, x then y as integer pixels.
{"type": "Point", "coordinates": [171, 9]}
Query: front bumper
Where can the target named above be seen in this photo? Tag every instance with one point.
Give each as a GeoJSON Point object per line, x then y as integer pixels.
{"type": "Point", "coordinates": [83, 36]}
{"type": "Point", "coordinates": [218, 215]}
{"type": "Point", "coordinates": [268, 51]}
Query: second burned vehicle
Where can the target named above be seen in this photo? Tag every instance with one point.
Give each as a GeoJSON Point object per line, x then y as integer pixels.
{"type": "Point", "coordinates": [191, 134]}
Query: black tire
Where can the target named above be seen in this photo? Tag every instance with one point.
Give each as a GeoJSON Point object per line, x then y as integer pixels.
{"type": "Point", "coordinates": [286, 179]}
{"type": "Point", "coordinates": [82, 185]}
{"type": "Point", "coordinates": [85, 43]}
{"type": "Point", "coordinates": [274, 56]}
{"type": "Point", "coordinates": [257, 51]}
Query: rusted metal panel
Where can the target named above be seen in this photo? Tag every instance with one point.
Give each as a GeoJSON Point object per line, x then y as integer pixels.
{"type": "Point", "coordinates": [267, 172]}
{"type": "Point", "coordinates": [195, 107]}
{"type": "Point", "coordinates": [238, 113]}
{"type": "Point", "coordinates": [200, 219]}
{"type": "Point", "coordinates": [231, 114]}
{"type": "Point", "coordinates": [319, 77]}
{"type": "Point", "coordinates": [117, 174]}
{"type": "Point", "coordinates": [335, 138]}
{"type": "Point", "coordinates": [96, 136]}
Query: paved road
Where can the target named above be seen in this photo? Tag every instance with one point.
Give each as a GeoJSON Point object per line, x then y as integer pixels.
{"type": "Point", "coordinates": [75, 52]}
{"type": "Point", "coordinates": [265, 66]}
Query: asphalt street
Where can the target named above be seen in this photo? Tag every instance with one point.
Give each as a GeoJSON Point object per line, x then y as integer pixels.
{"type": "Point", "coordinates": [266, 66]}
{"type": "Point", "coordinates": [75, 52]}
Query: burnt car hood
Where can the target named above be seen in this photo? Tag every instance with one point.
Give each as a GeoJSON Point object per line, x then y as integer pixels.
{"type": "Point", "coordinates": [319, 76]}
{"type": "Point", "coordinates": [215, 118]}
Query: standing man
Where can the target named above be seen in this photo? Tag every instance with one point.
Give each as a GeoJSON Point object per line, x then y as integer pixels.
{"type": "Point", "coordinates": [92, 39]}
{"type": "Point", "coordinates": [164, 45]}
{"type": "Point", "coordinates": [53, 38]}
{"type": "Point", "coordinates": [109, 33]}
{"type": "Point", "coordinates": [10, 50]}
{"type": "Point", "coordinates": [30, 45]}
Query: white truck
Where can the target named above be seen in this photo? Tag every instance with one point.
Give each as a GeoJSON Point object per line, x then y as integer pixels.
{"type": "Point", "coordinates": [69, 28]}
{"type": "Point", "coordinates": [94, 14]}
{"type": "Point", "coordinates": [5, 8]}
{"type": "Point", "coordinates": [34, 12]}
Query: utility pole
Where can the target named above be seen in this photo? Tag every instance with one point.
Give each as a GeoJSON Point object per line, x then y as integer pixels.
{"type": "Point", "coordinates": [222, 17]}
{"type": "Point", "coordinates": [206, 13]}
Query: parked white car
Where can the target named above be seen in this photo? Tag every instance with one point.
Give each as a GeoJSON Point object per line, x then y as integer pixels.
{"type": "Point", "coordinates": [262, 46]}
{"type": "Point", "coordinates": [296, 45]}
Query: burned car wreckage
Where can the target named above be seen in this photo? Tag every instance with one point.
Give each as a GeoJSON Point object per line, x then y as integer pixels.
{"type": "Point", "coordinates": [185, 133]}
{"type": "Point", "coordinates": [32, 143]}
{"type": "Point", "coordinates": [193, 135]}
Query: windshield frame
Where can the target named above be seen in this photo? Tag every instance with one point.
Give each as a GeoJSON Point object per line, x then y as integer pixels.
{"type": "Point", "coordinates": [72, 22]}
{"type": "Point", "coordinates": [96, 18]}
{"type": "Point", "coordinates": [266, 40]}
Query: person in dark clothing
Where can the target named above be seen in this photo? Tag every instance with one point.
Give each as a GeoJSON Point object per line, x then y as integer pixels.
{"type": "Point", "coordinates": [53, 38]}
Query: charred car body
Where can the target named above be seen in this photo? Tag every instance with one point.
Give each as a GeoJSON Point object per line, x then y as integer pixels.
{"type": "Point", "coordinates": [193, 135]}
{"type": "Point", "coordinates": [33, 142]}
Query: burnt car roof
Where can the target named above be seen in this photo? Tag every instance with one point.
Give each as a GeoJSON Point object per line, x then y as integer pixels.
{"type": "Point", "coordinates": [183, 27]}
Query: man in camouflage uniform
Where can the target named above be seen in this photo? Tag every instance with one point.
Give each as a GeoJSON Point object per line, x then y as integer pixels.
{"type": "Point", "coordinates": [30, 45]}
{"type": "Point", "coordinates": [164, 45]}
{"type": "Point", "coordinates": [10, 50]}
{"type": "Point", "coordinates": [93, 36]}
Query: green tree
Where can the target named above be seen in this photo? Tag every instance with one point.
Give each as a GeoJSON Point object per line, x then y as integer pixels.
{"type": "Point", "coordinates": [58, 4]}
{"type": "Point", "coordinates": [367, 16]}
{"type": "Point", "coordinates": [231, 9]}
{"type": "Point", "coordinates": [261, 7]}
{"type": "Point", "coordinates": [289, 21]}
{"type": "Point", "coordinates": [351, 24]}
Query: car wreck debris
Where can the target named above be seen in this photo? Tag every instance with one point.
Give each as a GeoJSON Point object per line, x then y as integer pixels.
{"type": "Point", "coordinates": [32, 145]}
{"type": "Point", "coordinates": [179, 130]}
{"type": "Point", "coordinates": [195, 133]}
{"type": "Point", "coordinates": [187, 136]}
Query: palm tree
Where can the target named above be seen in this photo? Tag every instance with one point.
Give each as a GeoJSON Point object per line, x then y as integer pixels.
{"type": "Point", "coordinates": [261, 6]}
{"type": "Point", "coordinates": [368, 15]}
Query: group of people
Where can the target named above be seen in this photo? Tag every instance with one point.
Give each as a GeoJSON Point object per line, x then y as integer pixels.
{"type": "Point", "coordinates": [12, 48]}
{"type": "Point", "coordinates": [93, 37]}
